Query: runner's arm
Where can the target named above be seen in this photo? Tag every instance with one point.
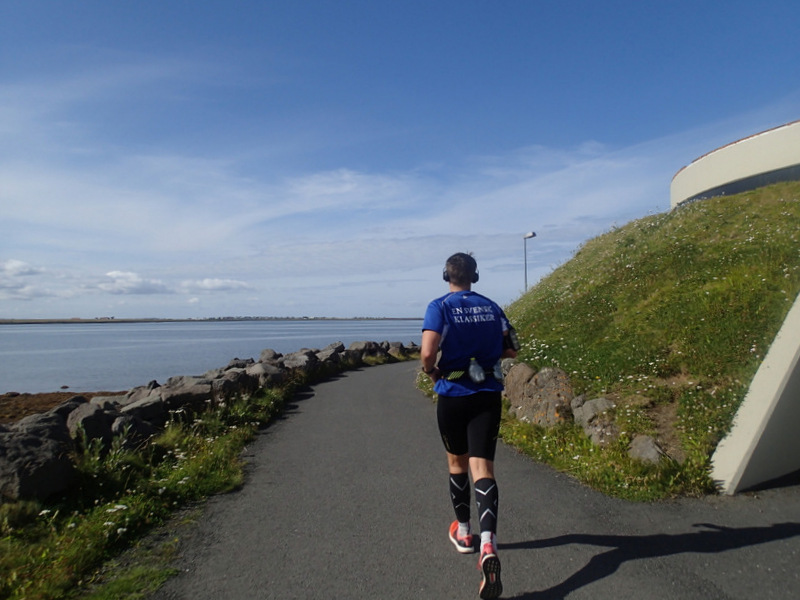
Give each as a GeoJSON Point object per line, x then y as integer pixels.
{"type": "Point", "coordinates": [429, 351]}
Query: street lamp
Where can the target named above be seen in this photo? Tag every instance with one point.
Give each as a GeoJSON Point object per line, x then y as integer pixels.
{"type": "Point", "coordinates": [525, 239]}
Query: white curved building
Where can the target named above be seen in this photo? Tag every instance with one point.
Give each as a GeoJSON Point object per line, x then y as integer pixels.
{"type": "Point", "coordinates": [761, 159]}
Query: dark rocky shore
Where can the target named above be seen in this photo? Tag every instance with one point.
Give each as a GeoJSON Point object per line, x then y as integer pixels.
{"type": "Point", "coordinates": [14, 406]}
{"type": "Point", "coordinates": [40, 431]}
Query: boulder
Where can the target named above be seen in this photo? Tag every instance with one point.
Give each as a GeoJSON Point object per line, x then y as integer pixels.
{"type": "Point", "coordinates": [267, 374]}
{"type": "Point", "coordinates": [186, 393]}
{"type": "Point", "coordinates": [179, 381]}
{"type": "Point", "coordinates": [235, 382]}
{"type": "Point", "coordinates": [33, 467]}
{"type": "Point", "coordinates": [93, 421]}
{"type": "Point", "coordinates": [239, 363]}
{"type": "Point", "coordinates": [214, 374]}
{"type": "Point", "coordinates": [106, 402]}
{"type": "Point", "coordinates": [331, 354]}
{"type": "Point", "coordinates": [137, 393]}
{"type": "Point", "coordinates": [150, 408]}
{"type": "Point", "coordinates": [545, 399]}
{"type": "Point", "coordinates": [397, 351]}
{"type": "Point", "coordinates": [135, 431]}
{"type": "Point", "coordinates": [596, 419]}
{"type": "Point", "coordinates": [587, 412]}
{"type": "Point", "coordinates": [51, 425]}
{"type": "Point", "coordinates": [351, 357]}
{"type": "Point", "coordinates": [366, 349]}
{"type": "Point", "coordinates": [645, 449]}
{"type": "Point", "coordinates": [516, 380]}
{"type": "Point", "coordinates": [304, 360]}
{"type": "Point", "coordinates": [68, 406]}
{"type": "Point", "coordinates": [269, 355]}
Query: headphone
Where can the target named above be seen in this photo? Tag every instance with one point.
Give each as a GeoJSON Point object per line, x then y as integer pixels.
{"type": "Point", "coordinates": [446, 276]}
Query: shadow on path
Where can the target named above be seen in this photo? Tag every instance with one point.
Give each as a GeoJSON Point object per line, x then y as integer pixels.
{"type": "Point", "coordinates": [712, 539]}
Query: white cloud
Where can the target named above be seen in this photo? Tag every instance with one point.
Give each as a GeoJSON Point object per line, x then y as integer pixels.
{"type": "Point", "coordinates": [214, 285]}
{"type": "Point", "coordinates": [20, 281]}
{"type": "Point", "coordinates": [125, 282]}
{"type": "Point", "coordinates": [18, 268]}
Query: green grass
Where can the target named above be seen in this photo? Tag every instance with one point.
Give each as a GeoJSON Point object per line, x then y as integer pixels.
{"type": "Point", "coordinates": [69, 547]}
{"type": "Point", "coordinates": [670, 316]}
{"type": "Point", "coordinates": [52, 550]}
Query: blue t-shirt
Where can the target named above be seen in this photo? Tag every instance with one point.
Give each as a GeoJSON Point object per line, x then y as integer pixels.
{"type": "Point", "coordinates": [471, 326]}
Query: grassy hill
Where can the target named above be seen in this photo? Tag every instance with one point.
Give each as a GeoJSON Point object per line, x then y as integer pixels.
{"type": "Point", "coordinates": [669, 316]}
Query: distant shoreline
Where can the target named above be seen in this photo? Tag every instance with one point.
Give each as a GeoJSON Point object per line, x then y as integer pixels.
{"type": "Point", "coordinates": [205, 320]}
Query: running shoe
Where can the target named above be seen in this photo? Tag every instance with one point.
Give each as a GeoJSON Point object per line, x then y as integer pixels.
{"type": "Point", "coordinates": [463, 543]}
{"type": "Point", "coordinates": [489, 564]}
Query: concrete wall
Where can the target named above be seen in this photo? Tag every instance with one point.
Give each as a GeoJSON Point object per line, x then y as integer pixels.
{"type": "Point", "coordinates": [767, 157]}
{"type": "Point", "coordinates": [764, 443]}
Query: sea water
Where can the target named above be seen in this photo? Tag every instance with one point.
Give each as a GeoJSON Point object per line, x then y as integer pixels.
{"type": "Point", "coordinates": [116, 356]}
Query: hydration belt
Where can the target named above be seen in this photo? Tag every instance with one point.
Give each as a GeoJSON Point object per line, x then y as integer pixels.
{"type": "Point", "coordinates": [462, 374]}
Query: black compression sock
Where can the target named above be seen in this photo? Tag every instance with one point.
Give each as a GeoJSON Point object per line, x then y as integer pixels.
{"type": "Point", "coordinates": [486, 497]}
{"type": "Point", "coordinates": [460, 495]}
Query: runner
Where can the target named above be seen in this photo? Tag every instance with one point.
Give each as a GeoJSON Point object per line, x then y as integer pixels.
{"type": "Point", "coordinates": [473, 334]}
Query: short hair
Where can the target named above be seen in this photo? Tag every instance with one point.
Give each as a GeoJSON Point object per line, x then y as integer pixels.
{"type": "Point", "coordinates": [461, 269]}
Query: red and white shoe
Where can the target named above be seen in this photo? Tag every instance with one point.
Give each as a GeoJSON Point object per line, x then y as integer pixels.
{"type": "Point", "coordinates": [489, 564]}
{"type": "Point", "coordinates": [463, 543]}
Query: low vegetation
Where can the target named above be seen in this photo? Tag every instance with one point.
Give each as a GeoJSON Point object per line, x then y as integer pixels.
{"type": "Point", "coordinates": [670, 317]}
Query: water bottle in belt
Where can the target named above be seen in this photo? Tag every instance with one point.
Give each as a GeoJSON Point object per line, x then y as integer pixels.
{"type": "Point", "coordinates": [476, 373]}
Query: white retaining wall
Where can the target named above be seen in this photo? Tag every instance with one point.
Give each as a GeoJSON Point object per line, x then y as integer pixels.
{"type": "Point", "coordinates": [764, 443]}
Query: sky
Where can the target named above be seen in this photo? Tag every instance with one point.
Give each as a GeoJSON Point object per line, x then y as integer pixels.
{"type": "Point", "coordinates": [323, 158]}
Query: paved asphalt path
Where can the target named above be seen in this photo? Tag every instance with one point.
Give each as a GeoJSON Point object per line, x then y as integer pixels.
{"type": "Point", "coordinates": [346, 497]}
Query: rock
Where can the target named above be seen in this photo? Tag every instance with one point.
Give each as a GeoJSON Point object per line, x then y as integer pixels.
{"type": "Point", "coordinates": [214, 374]}
{"type": "Point", "coordinates": [106, 402]}
{"type": "Point", "coordinates": [397, 351]}
{"type": "Point", "coordinates": [137, 393]}
{"type": "Point", "coordinates": [645, 449]}
{"type": "Point", "coordinates": [589, 411]}
{"type": "Point", "coordinates": [51, 425]}
{"type": "Point", "coordinates": [149, 408]}
{"type": "Point", "coordinates": [186, 393]}
{"type": "Point", "coordinates": [595, 418]}
{"type": "Point", "coordinates": [134, 431]}
{"type": "Point", "coordinates": [268, 374]}
{"type": "Point", "coordinates": [93, 421]}
{"type": "Point", "coordinates": [179, 381]}
{"type": "Point", "coordinates": [331, 353]}
{"type": "Point", "coordinates": [335, 347]}
{"type": "Point", "coordinates": [33, 467]}
{"type": "Point", "coordinates": [602, 433]}
{"type": "Point", "coordinates": [67, 407]}
{"type": "Point", "coordinates": [239, 363]}
{"type": "Point", "coordinates": [366, 349]}
{"type": "Point", "coordinates": [516, 379]}
{"type": "Point", "coordinates": [506, 364]}
{"type": "Point", "coordinates": [235, 382]}
{"type": "Point", "coordinates": [351, 357]}
{"type": "Point", "coordinates": [269, 355]}
{"type": "Point", "coordinates": [546, 396]}
{"type": "Point", "coordinates": [303, 360]}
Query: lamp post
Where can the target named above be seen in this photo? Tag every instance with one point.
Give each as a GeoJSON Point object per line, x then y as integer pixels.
{"type": "Point", "coordinates": [525, 239]}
